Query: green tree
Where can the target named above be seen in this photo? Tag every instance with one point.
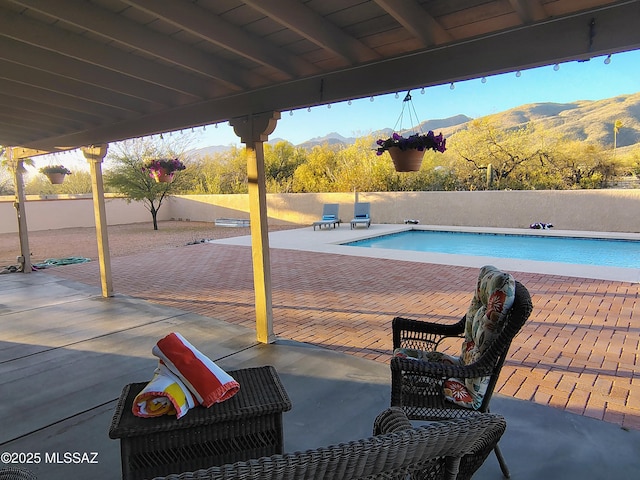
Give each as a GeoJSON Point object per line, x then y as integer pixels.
{"type": "Point", "coordinates": [319, 173]}
{"type": "Point", "coordinates": [582, 165]}
{"type": "Point", "coordinates": [484, 145]}
{"type": "Point", "coordinates": [280, 163]}
{"type": "Point", "coordinates": [633, 162]}
{"type": "Point", "coordinates": [127, 175]}
{"type": "Point", "coordinates": [358, 168]}
{"type": "Point", "coordinates": [7, 168]}
{"type": "Point", "coordinates": [6, 176]}
{"type": "Point", "coordinates": [6, 182]}
{"type": "Point", "coordinates": [228, 174]}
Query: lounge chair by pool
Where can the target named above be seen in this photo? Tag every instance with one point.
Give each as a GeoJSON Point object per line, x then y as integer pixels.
{"type": "Point", "coordinates": [361, 212]}
{"type": "Point", "coordinates": [329, 216]}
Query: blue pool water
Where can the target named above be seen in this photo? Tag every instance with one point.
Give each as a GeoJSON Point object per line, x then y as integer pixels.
{"type": "Point", "coordinates": [612, 253]}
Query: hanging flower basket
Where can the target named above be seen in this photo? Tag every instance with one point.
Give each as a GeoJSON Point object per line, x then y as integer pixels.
{"type": "Point", "coordinates": [163, 170]}
{"type": "Point", "coordinates": [406, 160]}
{"type": "Point", "coordinates": [55, 173]}
{"type": "Point", "coordinates": [407, 152]}
{"type": "Point", "coordinates": [56, 178]}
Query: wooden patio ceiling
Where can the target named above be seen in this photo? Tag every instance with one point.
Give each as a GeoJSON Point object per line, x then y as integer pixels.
{"type": "Point", "coordinates": [84, 72]}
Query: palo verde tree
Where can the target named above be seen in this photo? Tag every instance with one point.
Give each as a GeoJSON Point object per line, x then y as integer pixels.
{"type": "Point", "coordinates": [127, 173]}
{"type": "Point", "coordinates": [223, 173]}
{"type": "Point", "coordinates": [586, 165]}
{"type": "Point", "coordinates": [319, 172]}
{"type": "Point", "coordinates": [7, 171]}
{"type": "Point", "coordinates": [6, 176]}
{"type": "Point", "coordinates": [496, 158]}
{"type": "Point", "coordinates": [280, 163]}
{"type": "Point", "coordinates": [6, 182]}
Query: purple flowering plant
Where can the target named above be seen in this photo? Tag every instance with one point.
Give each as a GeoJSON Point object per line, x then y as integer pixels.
{"type": "Point", "coordinates": [421, 142]}
{"type": "Point", "coordinates": [168, 165]}
{"type": "Point", "coordinates": [163, 169]}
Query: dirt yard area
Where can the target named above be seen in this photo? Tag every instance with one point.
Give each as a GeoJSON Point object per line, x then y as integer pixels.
{"type": "Point", "coordinates": [123, 240]}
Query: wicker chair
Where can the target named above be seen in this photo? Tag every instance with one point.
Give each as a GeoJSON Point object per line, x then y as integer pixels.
{"type": "Point", "coordinates": [16, 473]}
{"type": "Point", "coordinates": [396, 451]}
{"type": "Point", "coordinates": [417, 386]}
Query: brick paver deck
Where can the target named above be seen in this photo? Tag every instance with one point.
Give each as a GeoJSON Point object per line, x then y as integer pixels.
{"type": "Point", "coordinates": [578, 352]}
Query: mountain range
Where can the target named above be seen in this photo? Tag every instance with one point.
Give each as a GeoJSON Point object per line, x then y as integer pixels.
{"type": "Point", "coordinates": [584, 120]}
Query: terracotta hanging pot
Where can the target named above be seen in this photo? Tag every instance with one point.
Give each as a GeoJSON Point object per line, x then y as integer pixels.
{"type": "Point", "coordinates": [161, 176]}
{"type": "Point", "coordinates": [56, 178]}
{"type": "Point", "coordinates": [406, 160]}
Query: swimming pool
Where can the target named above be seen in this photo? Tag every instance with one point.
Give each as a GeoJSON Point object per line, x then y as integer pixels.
{"type": "Point", "coordinates": [573, 250]}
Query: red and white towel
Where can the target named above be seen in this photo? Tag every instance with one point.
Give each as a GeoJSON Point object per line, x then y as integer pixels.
{"type": "Point", "coordinates": [185, 377]}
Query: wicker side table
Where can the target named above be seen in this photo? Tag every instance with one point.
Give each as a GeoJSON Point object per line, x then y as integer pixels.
{"type": "Point", "coordinates": [248, 425]}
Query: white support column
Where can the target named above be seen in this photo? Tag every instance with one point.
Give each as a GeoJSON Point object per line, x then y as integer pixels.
{"type": "Point", "coordinates": [17, 167]}
{"type": "Point", "coordinates": [95, 155]}
{"type": "Point", "coordinates": [253, 131]}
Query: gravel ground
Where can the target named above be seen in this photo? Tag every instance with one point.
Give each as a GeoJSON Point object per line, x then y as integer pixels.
{"type": "Point", "coordinates": [123, 240]}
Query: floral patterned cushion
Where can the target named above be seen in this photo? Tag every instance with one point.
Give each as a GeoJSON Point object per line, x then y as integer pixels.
{"type": "Point", "coordinates": [494, 296]}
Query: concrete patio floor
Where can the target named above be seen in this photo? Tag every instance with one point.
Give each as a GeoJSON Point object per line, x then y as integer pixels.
{"type": "Point", "coordinates": [568, 392]}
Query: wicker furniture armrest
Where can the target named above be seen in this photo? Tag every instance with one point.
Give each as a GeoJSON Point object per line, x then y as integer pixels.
{"type": "Point", "coordinates": [409, 333]}
{"type": "Point", "coordinates": [437, 451]}
{"type": "Point", "coordinates": [393, 419]}
{"type": "Point", "coordinates": [16, 473]}
{"type": "Point", "coordinates": [440, 369]}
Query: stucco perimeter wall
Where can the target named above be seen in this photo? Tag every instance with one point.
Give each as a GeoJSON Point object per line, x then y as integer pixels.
{"type": "Point", "coordinates": [66, 211]}
{"type": "Point", "coordinates": [587, 210]}
{"type": "Point", "coordinates": [594, 210]}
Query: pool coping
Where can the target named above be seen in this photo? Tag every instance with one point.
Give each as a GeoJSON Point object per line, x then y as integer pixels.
{"type": "Point", "coordinates": [330, 241]}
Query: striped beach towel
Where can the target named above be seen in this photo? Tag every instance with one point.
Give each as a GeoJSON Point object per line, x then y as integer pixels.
{"type": "Point", "coordinates": [165, 394]}
{"type": "Point", "coordinates": [185, 378]}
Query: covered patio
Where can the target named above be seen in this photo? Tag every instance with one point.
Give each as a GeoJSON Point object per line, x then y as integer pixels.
{"type": "Point", "coordinates": [66, 353]}
{"type": "Point", "coordinates": [82, 74]}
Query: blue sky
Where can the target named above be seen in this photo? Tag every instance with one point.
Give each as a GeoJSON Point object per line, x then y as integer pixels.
{"type": "Point", "coordinates": [572, 81]}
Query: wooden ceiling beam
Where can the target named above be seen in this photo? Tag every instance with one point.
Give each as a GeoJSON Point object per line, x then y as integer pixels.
{"type": "Point", "coordinates": [25, 30]}
{"type": "Point", "coordinates": [312, 26]}
{"type": "Point", "coordinates": [8, 125]}
{"type": "Point", "coordinates": [63, 114]}
{"type": "Point", "coordinates": [56, 64]}
{"type": "Point", "coordinates": [416, 20]}
{"type": "Point", "coordinates": [529, 10]}
{"type": "Point", "coordinates": [39, 119]}
{"type": "Point", "coordinates": [73, 88]}
{"type": "Point", "coordinates": [200, 22]}
{"type": "Point", "coordinates": [128, 33]}
{"type": "Point", "coordinates": [47, 98]}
